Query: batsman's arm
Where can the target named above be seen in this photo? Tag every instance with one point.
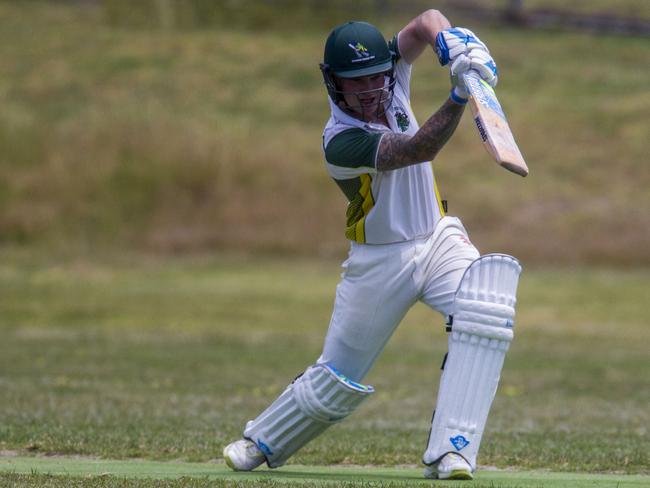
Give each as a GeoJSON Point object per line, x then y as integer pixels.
{"type": "Point", "coordinates": [399, 150]}
{"type": "Point", "coordinates": [420, 33]}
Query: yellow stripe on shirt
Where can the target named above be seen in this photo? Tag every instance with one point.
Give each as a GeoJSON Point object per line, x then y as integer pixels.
{"type": "Point", "coordinates": [359, 209]}
{"type": "Point", "coordinates": [368, 202]}
{"type": "Point", "coordinates": [438, 199]}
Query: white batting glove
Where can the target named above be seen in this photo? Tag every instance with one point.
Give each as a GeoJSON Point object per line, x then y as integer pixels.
{"type": "Point", "coordinates": [475, 60]}
{"type": "Point", "coordinates": [462, 64]}
{"type": "Point", "coordinates": [484, 65]}
{"type": "Point", "coordinates": [450, 43]}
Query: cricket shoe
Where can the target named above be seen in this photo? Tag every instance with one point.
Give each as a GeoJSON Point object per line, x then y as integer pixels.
{"type": "Point", "coordinates": [243, 455]}
{"type": "Point", "coordinates": [451, 467]}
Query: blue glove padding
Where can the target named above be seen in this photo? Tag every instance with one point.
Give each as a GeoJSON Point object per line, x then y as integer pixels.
{"type": "Point", "coordinates": [458, 96]}
{"type": "Point", "coordinates": [457, 40]}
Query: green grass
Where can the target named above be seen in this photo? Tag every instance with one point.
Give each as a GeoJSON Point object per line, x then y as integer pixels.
{"type": "Point", "coordinates": [67, 472]}
{"type": "Point", "coordinates": [632, 8]}
{"type": "Point", "coordinates": [197, 13]}
{"type": "Point", "coordinates": [209, 138]}
{"type": "Point", "coordinates": [122, 134]}
{"type": "Point", "coordinates": [138, 357]}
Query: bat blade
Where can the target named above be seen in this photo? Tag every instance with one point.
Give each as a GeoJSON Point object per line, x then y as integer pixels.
{"type": "Point", "coordinates": [493, 126]}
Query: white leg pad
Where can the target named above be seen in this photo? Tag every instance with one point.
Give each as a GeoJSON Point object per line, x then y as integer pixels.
{"type": "Point", "coordinates": [319, 398]}
{"type": "Point", "coordinates": [481, 332]}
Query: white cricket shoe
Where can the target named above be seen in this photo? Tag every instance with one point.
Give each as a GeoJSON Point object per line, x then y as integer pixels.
{"type": "Point", "coordinates": [243, 455]}
{"type": "Point", "coordinates": [450, 467]}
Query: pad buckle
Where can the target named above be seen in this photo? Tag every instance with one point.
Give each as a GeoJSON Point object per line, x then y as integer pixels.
{"type": "Point", "coordinates": [449, 323]}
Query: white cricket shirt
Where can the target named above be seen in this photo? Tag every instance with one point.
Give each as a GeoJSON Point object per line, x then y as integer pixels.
{"type": "Point", "coordinates": [384, 206]}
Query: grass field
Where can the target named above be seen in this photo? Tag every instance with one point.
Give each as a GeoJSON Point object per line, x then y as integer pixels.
{"type": "Point", "coordinates": [68, 472]}
{"type": "Point", "coordinates": [635, 8]}
{"type": "Point", "coordinates": [170, 243]}
{"type": "Point", "coordinates": [210, 138]}
{"type": "Point", "coordinates": [136, 357]}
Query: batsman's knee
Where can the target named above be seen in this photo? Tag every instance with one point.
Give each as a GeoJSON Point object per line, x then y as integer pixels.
{"type": "Point", "coordinates": [485, 300]}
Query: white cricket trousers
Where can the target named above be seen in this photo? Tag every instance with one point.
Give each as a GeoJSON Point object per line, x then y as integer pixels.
{"type": "Point", "coordinates": [380, 283]}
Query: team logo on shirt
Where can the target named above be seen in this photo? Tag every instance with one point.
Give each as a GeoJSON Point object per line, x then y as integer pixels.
{"type": "Point", "coordinates": [402, 119]}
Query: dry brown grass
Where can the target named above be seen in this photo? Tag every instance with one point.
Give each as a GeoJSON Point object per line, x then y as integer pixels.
{"type": "Point", "coordinates": [192, 140]}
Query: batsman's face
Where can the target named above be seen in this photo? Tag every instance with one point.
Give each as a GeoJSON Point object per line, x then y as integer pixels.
{"type": "Point", "coordinates": [363, 95]}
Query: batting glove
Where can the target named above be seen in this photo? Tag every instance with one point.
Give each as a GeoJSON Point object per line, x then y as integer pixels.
{"type": "Point", "coordinates": [484, 65]}
{"type": "Point", "coordinates": [462, 64]}
{"type": "Point", "coordinates": [476, 60]}
{"type": "Point", "coordinates": [455, 41]}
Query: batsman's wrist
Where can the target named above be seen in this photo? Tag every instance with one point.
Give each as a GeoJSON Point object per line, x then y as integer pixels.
{"type": "Point", "coordinates": [459, 98]}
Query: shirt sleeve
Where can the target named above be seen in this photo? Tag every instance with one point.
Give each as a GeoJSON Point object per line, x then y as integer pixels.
{"type": "Point", "coordinates": [402, 68]}
{"type": "Point", "coordinates": [351, 153]}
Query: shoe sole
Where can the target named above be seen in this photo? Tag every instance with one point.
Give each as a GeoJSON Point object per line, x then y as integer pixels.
{"type": "Point", "coordinates": [460, 474]}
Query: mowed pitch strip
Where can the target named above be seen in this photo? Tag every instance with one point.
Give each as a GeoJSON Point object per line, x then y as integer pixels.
{"type": "Point", "coordinates": [304, 474]}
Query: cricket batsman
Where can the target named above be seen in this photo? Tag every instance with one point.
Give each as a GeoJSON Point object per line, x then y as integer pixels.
{"type": "Point", "coordinates": [403, 249]}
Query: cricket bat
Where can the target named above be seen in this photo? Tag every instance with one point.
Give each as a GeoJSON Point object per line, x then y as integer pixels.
{"type": "Point", "coordinates": [492, 125]}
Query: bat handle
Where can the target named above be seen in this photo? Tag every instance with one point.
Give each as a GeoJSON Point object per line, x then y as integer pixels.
{"type": "Point", "coordinates": [475, 78]}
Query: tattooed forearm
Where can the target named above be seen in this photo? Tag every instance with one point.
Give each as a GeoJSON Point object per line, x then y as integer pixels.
{"type": "Point", "coordinates": [398, 150]}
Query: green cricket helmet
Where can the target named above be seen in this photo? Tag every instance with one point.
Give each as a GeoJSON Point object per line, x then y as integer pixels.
{"type": "Point", "coordinates": [355, 50]}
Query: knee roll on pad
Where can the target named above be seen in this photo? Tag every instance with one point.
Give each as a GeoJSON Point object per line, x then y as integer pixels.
{"type": "Point", "coordinates": [481, 332]}
{"type": "Point", "coordinates": [320, 397]}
